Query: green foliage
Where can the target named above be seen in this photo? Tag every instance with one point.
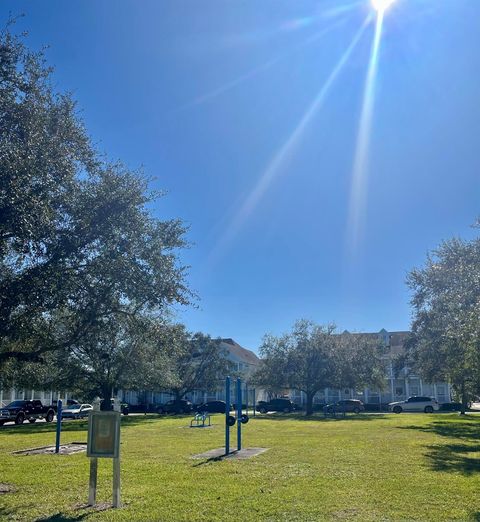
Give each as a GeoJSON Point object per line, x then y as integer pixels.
{"type": "Point", "coordinates": [194, 361]}
{"type": "Point", "coordinates": [445, 341]}
{"type": "Point", "coordinates": [313, 357]}
{"type": "Point", "coordinates": [79, 247]}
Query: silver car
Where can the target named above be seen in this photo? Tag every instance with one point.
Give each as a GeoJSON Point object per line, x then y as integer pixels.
{"type": "Point", "coordinates": [77, 411]}
{"type": "Point", "coordinates": [419, 404]}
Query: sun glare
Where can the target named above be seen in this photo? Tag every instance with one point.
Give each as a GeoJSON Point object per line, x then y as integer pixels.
{"type": "Point", "coordinates": [381, 5]}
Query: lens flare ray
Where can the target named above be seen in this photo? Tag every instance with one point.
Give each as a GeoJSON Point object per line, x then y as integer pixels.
{"type": "Point", "coordinates": [279, 159]}
{"type": "Point", "coordinates": [226, 87]}
{"type": "Point", "coordinates": [359, 183]}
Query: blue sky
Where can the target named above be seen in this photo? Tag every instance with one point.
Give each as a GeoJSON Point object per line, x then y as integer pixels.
{"type": "Point", "coordinates": [205, 95]}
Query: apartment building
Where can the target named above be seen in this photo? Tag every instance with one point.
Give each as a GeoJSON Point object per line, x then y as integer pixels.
{"type": "Point", "coordinates": [396, 388]}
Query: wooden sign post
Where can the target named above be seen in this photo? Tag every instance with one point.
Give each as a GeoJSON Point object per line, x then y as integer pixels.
{"type": "Point", "coordinates": [104, 442]}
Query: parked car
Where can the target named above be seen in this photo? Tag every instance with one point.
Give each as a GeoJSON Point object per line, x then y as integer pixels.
{"type": "Point", "coordinates": [19, 411]}
{"type": "Point", "coordinates": [425, 404]}
{"type": "Point", "coordinates": [70, 402]}
{"type": "Point", "coordinates": [213, 407]}
{"type": "Point", "coordinates": [347, 405]}
{"type": "Point", "coordinates": [282, 404]}
{"type": "Point", "coordinates": [77, 411]}
{"type": "Point", "coordinates": [124, 407]}
{"type": "Point", "coordinates": [176, 406]}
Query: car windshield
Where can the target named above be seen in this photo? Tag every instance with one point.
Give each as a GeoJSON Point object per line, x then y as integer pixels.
{"type": "Point", "coordinates": [16, 404]}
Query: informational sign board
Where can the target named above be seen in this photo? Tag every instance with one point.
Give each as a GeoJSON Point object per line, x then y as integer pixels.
{"type": "Point", "coordinates": [103, 434]}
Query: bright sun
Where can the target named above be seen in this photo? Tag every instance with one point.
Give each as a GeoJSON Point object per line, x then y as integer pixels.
{"type": "Point", "coordinates": [382, 5]}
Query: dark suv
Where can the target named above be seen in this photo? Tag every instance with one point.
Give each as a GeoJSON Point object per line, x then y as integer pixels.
{"type": "Point", "coordinates": [174, 406]}
{"type": "Point", "coordinates": [347, 405]}
{"type": "Point", "coordinates": [213, 407]}
{"type": "Point", "coordinates": [285, 405]}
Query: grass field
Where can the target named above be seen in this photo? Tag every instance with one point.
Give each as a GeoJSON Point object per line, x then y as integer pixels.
{"type": "Point", "coordinates": [369, 467]}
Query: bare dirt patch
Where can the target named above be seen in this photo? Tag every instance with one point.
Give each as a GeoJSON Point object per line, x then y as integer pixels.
{"type": "Point", "coordinates": [65, 449]}
{"type": "Point", "coordinates": [7, 488]}
{"type": "Point", "coordinates": [219, 454]}
{"type": "Point", "coordinates": [101, 506]}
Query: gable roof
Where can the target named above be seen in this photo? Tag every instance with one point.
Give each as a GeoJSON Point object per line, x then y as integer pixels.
{"type": "Point", "coordinates": [242, 353]}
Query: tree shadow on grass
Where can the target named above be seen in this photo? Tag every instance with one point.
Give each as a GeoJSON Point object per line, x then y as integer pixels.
{"type": "Point", "coordinates": [465, 428]}
{"type": "Point", "coordinates": [72, 426]}
{"type": "Point", "coordinates": [5, 513]}
{"type": "Point", "coordinates": [86, 512]}
{"type": "Point", "coordinates": [60, 517]}
{"type": "Point", "coordinates": [454, 458]}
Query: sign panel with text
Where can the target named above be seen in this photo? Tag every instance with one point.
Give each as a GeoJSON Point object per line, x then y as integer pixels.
{"type": "Point", "coordinates": [103, 434]}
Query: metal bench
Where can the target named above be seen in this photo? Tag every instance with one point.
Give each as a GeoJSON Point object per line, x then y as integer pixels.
{"type": "Point", "coordinates": [200, 419]}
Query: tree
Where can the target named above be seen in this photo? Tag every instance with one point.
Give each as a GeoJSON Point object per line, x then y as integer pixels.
{"type": "Point", "coordinates": [312, 357]}
{"type": "Point", "coordinates": [445, 341]}
{"type": "Point", "coordinates": [79, 246]}
{"type": "Point", "coordinates": [195, 361]}
{"type": "Point", "coordinates": [358, 363]}
{"type": "Point", "coordinates": [299, 360]}
{"type": "Point", "coordinates": [120, 353]}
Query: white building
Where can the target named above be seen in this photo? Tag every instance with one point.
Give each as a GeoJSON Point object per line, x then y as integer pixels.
{"type": "Point", "coordinates": [244, 362]}
{"type": "Point", "coordinates": [397, 388]}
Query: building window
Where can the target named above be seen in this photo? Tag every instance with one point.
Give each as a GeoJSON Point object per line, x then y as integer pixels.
{"type": "Point", "coordinates": [398, 391]}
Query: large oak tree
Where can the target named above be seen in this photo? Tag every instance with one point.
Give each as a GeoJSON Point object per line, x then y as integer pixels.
{"type": "Point", "coordinates": [445, 342]}
{"type": "Point", "coordinates": [312, 357]}
{"type": "Point", "coordinates": [80, 249]}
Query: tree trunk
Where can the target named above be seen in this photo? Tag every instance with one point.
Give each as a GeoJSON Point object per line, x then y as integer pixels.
{"type": "Point", "coordinates": [178, 394]}
{"type": "Point", "coordinates": [464, 399]}
{"type": "Point", "coordinates": [309, 406]}
{"type": "Point", "coordinates": [107, 391]}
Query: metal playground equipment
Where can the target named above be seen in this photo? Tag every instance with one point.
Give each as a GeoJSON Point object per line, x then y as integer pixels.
{"type": "Point", "coordinates": [200, 420]}
{"type": "Point", "coordinates": [230, 420]}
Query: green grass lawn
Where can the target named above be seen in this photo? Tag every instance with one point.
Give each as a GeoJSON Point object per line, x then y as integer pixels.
{"type": "Point", "coordinates": [369, 467]}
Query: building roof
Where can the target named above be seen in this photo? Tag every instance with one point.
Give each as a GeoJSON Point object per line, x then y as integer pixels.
{"type": "Point", "coordinates": [245, 355]}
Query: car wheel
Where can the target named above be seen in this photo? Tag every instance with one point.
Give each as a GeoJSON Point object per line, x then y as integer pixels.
{"type": "Point", "coordinates": [19, 419]}
{"type": "Point", "coordinates": [32, 421]}
{"type": "Point", "coordinates": [428, 409]}
{"type": "Point", "coordinates": [262, 410]}
{"type": "Point", "coordinates": [49, 417]}
{"type": "Point", "coordinates": [397, 409]}
{"type": "Point", "coordinates": [356, 410]}
{"type": "Point", "coordinates": [161, 411]}
{"type": "Point", "coordinates": [287, 410]}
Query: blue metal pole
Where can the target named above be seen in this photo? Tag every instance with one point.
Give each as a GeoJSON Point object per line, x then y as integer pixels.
{"type": "Point", "coordinates": [59, 425]}
{"type": "Point", "coordinates": [227, 414]}
{"type": "Point", "coordinates": [254, 403]}
{"type": "Point", "coordinates": [239, 414]}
